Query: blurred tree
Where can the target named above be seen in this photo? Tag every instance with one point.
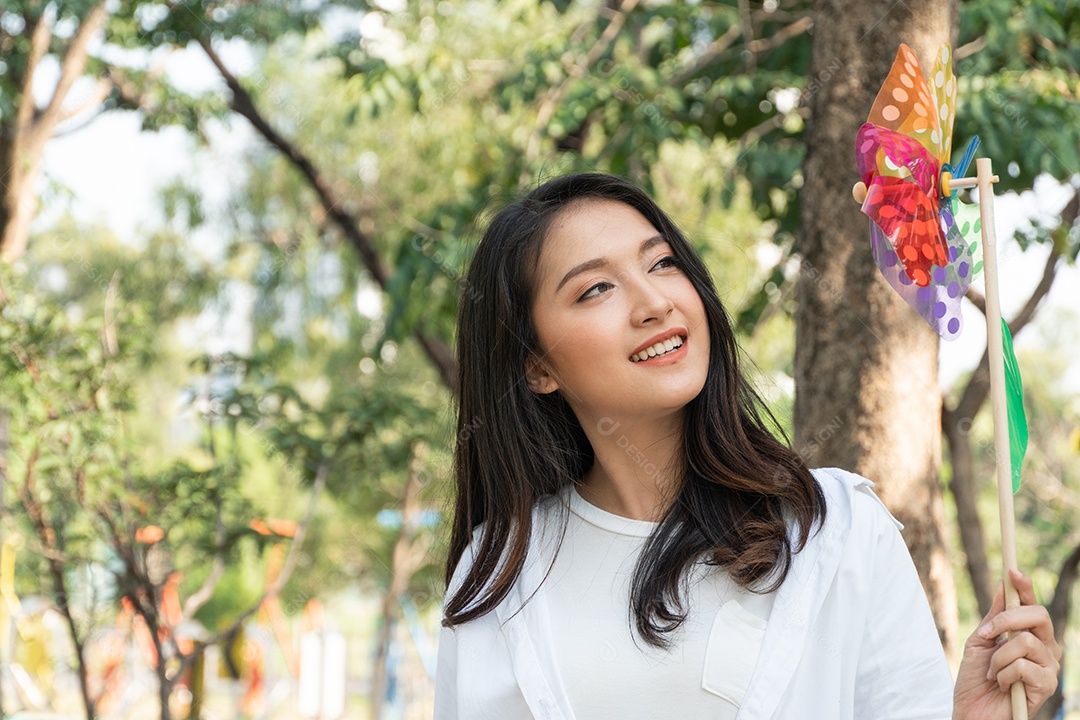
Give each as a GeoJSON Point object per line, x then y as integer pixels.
{"type": "Point", "coordinates": [84, 492]}
{"type": "Point", "coordinates": [27, 38]}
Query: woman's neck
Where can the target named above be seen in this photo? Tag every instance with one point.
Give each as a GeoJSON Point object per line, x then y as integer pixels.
{"type": "Point", "coordinates": [634, 471]}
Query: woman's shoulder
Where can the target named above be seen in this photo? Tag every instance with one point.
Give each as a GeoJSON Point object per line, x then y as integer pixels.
{"type": "Point", "coordinates": [851, 501]}
{"type": "Point", "coordinates": [547, 516]}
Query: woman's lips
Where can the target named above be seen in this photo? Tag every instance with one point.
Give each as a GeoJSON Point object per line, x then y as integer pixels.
{"type": "Point", "coordinates": [667, 358]}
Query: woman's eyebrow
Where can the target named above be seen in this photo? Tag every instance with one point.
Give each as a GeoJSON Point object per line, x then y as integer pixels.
{"type": "Point", "coordinates": [604, 262]}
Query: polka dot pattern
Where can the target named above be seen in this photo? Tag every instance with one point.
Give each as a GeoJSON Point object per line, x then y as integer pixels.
{"type": "Point", "coordinates": [925, 246]}
{"type": "Point", "coordinates": [938, 302]}
{"type": "Point", "coordinates": [944, 91]}
{"type": "Point", "coordinates": [908, 105]}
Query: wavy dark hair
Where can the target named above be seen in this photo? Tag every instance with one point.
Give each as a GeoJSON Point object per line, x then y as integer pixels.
{"type": "Point", "coordinates": [740, 486]}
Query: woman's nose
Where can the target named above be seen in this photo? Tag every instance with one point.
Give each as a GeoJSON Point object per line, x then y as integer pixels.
{"type": "Point", "coordinates": [650, 302]}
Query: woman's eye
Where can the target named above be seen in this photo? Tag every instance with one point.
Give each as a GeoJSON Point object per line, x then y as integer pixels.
{"type": "Point", "coordinates": [667, 261]}
{"type": "Point", "coordinates": [595, 290]}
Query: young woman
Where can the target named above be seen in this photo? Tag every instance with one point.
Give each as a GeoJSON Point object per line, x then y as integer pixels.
{"type": "Point", "coordinates": [631, 541]}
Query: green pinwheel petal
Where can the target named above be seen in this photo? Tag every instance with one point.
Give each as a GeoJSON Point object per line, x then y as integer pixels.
{"type": "Point", "coordinates": [1014, 390]}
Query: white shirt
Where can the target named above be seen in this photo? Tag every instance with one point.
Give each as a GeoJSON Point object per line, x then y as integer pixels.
{"type": "Point", "coordinates": [705, 671]}
{"type": "Point", "coordinates": [850, 634]}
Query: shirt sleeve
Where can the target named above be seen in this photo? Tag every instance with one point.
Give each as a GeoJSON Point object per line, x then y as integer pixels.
{"type": "Point", "coordinates": [902, 671]}
{"type": "Point", "coordinates": [446, 663]}
{"type": "Point", "coordinates": [446, 676]}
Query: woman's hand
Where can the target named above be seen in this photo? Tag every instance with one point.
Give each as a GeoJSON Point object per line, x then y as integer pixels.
{"type": "Point", "coordinates": [991, 664]}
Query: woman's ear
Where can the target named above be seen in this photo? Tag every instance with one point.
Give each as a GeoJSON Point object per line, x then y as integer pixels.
{"type": "Point", "coordinates": [541, 380]}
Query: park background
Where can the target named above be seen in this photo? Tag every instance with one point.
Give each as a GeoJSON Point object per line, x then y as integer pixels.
{"type": "Point", "coordinates": [234, 237]}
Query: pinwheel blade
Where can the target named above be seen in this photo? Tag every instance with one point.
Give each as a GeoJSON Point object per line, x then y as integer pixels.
{"type": "Point", "coordinates": [943, 85]}
{"type": "Point", "coordinates": [905, 104]}
{"type": "Point", "coordinates": [1014, 391]}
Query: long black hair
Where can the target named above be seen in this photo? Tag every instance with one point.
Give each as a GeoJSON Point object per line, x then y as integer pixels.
{"type": "Point", "coordinates": [514, 445]}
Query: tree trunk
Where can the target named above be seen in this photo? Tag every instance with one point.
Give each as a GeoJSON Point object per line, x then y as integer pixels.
{"type": "Point", "coordinates": [82, 671]}
{"type": "Point", "coordinates": [19, 202]}
{"type": "Point", "coordinates": [867, 396]}
{"type": "Point", "coordinates": [164, 690]}
{"type": "Point", "coordinates": [965, 496]}
{"type": "Point", "coordinates": [437, 350]}
{"type": "Point", "coordinates": [1060, 608]}
{"type": "Point", "coordinates": [402, 566]}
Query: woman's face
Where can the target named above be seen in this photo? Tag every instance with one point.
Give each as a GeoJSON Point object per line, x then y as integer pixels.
{"type": "Point", "coordinates": [622, 331]}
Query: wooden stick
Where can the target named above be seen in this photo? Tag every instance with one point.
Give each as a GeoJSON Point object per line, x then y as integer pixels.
{"type": "Point", "coordinates": [948, 184]}
{"type": "Point", "coordinates": [969, 181]}
{"type": "Point", "coordinates": [1002, 457]}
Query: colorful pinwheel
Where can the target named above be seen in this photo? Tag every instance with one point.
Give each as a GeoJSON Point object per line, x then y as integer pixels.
{"type": "Point", "coordinates": [922, 236]}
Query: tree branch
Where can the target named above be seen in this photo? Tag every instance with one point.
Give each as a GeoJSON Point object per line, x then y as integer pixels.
{"type": "Point", "coordinates": [781, 36]}
{"type": "Point", "coordinates": [964, 493]}
{"type": "Point", "coordinates": [108, 331]}
{"type": "Point", "coordinates": [71, 68]}
{"type": "Point", "coordinates": [243, 104]}
{"type": "Point", "coordinates": [40, 35]}
{"type": "Point", "coordinates": [94, 98]}
{"type": "Point", "coordinates": [287, 568]}
{"type": "Point", "coordinates": [719, 47]}
{"type": "Point", "coordinates": [575, 70]}
{"type": "Point", "coordinates": [970, 48]}
{"type": "Point", "coordinates": [201, 596]}
{"type": "Point", "coordinates": [977, 299]}
{"type": "Point", "coordinates": [747, 29]}
{"type": "Point", "coordinates": [333, 204]}
{"type": "Point", "coordinates": [146, 602]}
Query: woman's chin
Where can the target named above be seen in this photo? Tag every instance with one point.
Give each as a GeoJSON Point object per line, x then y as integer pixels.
{"type": "Point", "coordinates": [654, 407]}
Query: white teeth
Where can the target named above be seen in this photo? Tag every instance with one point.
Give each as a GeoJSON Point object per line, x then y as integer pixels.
{"type": "Point", "coordinates": [659, 348]}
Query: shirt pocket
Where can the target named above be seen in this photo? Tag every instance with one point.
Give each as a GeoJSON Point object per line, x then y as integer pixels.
{"type": "Point", "coordinates": [732, 652]}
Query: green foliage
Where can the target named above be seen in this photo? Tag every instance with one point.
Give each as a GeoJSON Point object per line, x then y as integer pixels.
{"type": "Point", "coordinates": [1019, 90]}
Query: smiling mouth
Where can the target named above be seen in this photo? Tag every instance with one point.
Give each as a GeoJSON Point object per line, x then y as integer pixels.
{"type": "Point", "coordinates": [660, 349]}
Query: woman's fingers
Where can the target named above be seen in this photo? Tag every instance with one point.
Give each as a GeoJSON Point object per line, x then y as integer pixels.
{"type": "Point", "coordinates": [1024, 587]}
{"type": "Point", "coordinates": [1029, 616]}
{"type": "Point", "coordinates": [1039, 681]}
{"type": "Point", "coordinates": [1032, 618]}
{"type": "Point", "coordinates": [1020, 651]}
{"type": "Point", "coordinates": [976, 639]}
